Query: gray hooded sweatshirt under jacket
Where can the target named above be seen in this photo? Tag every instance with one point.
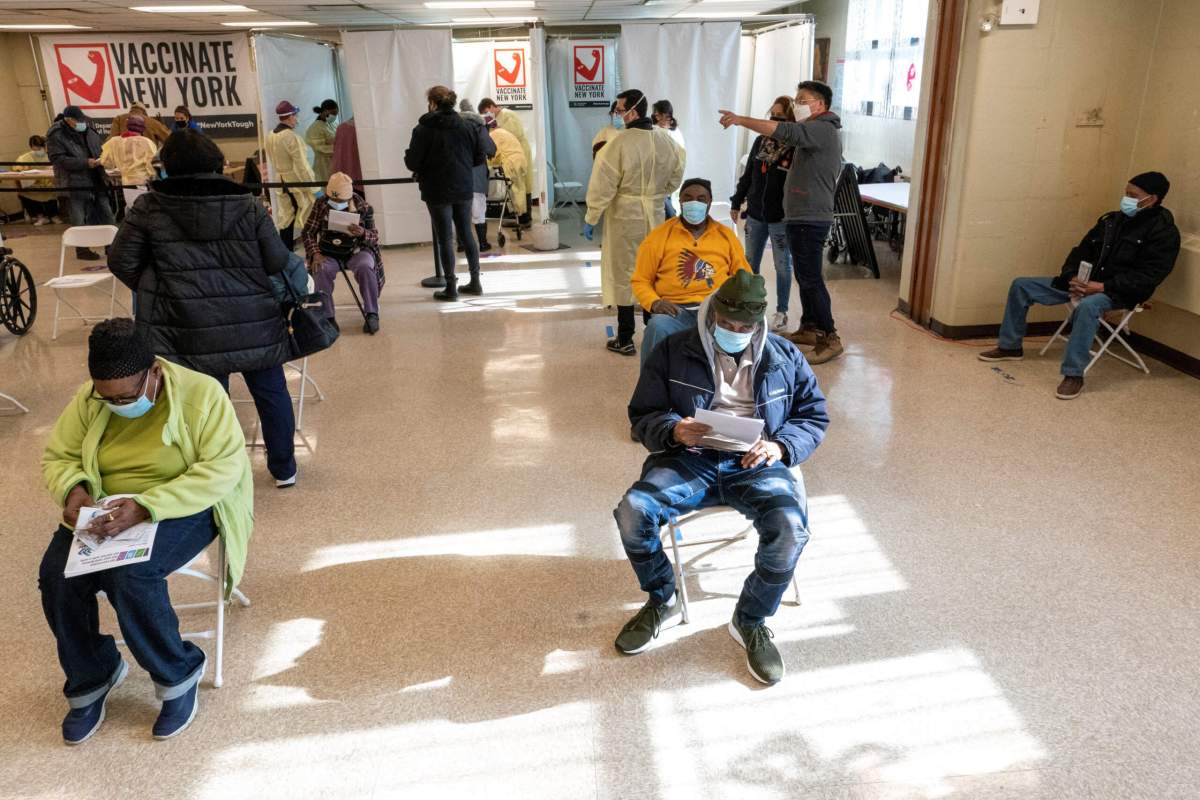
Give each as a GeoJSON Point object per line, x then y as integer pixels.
{"type": "Point", "coordinates": [808, 190]}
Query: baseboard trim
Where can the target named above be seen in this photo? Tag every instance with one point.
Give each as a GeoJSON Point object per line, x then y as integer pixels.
{"type": "Point", "coordinates": [1189, 365]}
{"type": "Point", "coordinates": [903, 307]}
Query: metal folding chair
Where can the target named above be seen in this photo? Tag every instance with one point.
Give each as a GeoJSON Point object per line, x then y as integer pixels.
{"type": "Point", "coordinates": [674, 530]}
{"type": "Point", "coordinates": [217, 633]}
{"type": "Point", "coordinates": [1115, 334]}
{"type": "Point", "coordinates": [566, 193]}
{"type": "Point", "coordinates": [82, 236]}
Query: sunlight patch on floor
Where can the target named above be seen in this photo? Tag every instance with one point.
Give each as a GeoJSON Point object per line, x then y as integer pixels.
{"type": "Point", "coordinates": [537, 540]}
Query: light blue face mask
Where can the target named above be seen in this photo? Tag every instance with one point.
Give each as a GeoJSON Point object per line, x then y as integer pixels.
{"type": "Point", "coordinates": [694, 212]}
{"type": "Point", "coordinates": [137, 408]}
{"type": "Point", "coordinates": [731, 342]}
{"type": "Point", "coordinates": [618, 121]}
{"type": "Point", "coordinates": [336, 206]}
{"type": "Point", "coordinates": [81, 126]}
{"type": "Point", "coordinates": [1129, 206]}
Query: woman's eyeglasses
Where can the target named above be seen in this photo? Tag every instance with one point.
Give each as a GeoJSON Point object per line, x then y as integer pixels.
{"type": "Point", "coordinates": [121, 401]}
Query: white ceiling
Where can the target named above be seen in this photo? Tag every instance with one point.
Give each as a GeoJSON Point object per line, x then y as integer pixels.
{"type": "Point", "coordinates": [105, 15]}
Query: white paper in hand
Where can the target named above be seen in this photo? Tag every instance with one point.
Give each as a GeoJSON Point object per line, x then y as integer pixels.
{"type": "Point", "coordinates": [92, 554]}
{"type": "Point", "coordinates": [342, 220]}
{"type": "Point", "coordinates": [740, 430]}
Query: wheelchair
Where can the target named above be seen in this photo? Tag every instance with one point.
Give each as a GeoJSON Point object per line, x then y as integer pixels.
{"type": "Point", "coordinates": [18, 293]}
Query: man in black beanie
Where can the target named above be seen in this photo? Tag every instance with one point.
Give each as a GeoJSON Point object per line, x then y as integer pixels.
{"type": "Point", "coordinates": [730, 364]}
{"type": "Point", "coordinates": [1129, 252]}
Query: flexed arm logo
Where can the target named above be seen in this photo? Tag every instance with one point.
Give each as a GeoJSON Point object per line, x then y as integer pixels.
{"type": "Point", "coordinates": [509, 75]}
{"type": "Point", "coordinates": [589, 73]}
{"type": "Point", "coordinates": [93, 91]}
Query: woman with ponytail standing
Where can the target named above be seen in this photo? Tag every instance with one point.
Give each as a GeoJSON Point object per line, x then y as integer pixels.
{"type": "Point", "coordinates": [664, 118]}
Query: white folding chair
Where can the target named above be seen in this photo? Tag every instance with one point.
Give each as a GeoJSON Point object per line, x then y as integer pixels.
{"type": "Point", "coordinates": [82, 236]}
{"type": "Point", "coordinates": [16, 404]}
{"type": "Point", "coordinates": [299, 398]}
{"type": "Point", "coordinates": [1115, 334]}
{"type": "Point", "coordinates": [217, 633]}
{"type": "Point", "coordinates": [566, 193]}
{"type": "Point", "coordinates": [675, 530]}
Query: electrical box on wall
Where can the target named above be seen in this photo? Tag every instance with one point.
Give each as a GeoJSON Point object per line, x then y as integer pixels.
{"type": "Point", "coordinates": [1019, 12]}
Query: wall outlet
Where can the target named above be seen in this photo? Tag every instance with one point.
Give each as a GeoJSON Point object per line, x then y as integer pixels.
{"type": "Point", "coordinates": [1019, 12]}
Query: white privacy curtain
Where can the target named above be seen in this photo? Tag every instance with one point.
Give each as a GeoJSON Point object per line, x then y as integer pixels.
{"type": "Point", "coordinates": [782, 58]}
{"type": "Point", "coordinates": [694, 65]}
{"type": "Point", "coordinates": [573, 128]}
{"type": "Point", "coordinates": [297, 70]}
{"type": "Point", "coordinates": [388, 73]}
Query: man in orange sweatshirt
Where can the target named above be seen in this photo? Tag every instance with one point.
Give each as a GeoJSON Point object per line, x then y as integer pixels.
{"type": "Point", "coordinates": [681, 263]}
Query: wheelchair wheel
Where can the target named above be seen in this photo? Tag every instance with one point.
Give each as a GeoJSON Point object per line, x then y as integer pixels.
{"type": "Point", "coordinates": [18, 296]}
{"type": "Point", "coordinates": [501, 238]}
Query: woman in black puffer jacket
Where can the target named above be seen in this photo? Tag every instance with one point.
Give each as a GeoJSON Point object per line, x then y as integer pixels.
{"type": "Point", "coordinates": [198, 251]}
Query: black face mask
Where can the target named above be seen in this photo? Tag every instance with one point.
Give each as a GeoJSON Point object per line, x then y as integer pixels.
{"type": "Point", "coordinates": [180, 123]}
{"type": "Point", "coordinates": [779, 118]}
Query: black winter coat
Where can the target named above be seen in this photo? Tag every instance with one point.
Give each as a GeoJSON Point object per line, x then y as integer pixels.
{"type": "Point", "coordinates": [69, 151]}
{"type": "Point", "coordinates": [443, 154]}
{"type": "Point", "coordinates": [200, 251]}
{"type": "Point", "coordinates": [1131, 256]}
{"type": "Point", "coordinates": [761, 186]}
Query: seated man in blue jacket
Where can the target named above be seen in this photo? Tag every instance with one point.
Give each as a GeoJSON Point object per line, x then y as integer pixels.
{"type": "Point", "coordinates": [728, 363]}
{"type": "Point", "coordinates": [1131, 252]}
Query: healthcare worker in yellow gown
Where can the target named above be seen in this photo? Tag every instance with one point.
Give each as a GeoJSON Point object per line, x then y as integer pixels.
{"type": "Point", "coordinates": [632, 175]}
{"type": "Point", "coordinates": [320, 138]}
{"type": "Point", "coordinates": [509, 121]}
{"type": "Point", "coordinates": [511, 156]}
{"type": "Point", "coordinates": [287, 157]}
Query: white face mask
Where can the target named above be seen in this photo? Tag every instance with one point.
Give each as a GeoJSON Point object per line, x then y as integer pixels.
{"type": "Point", "coordinates": [803, 112]}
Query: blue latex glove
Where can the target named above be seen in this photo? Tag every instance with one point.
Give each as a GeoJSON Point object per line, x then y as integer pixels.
{"type": "Point", "coordinates": [589, 231]}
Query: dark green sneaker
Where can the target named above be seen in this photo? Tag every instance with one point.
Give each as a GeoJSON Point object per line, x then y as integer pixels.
{"type": "Point", "coordinates": [642, 631]}
{"type": "Point", "coordinates": [762, 657]}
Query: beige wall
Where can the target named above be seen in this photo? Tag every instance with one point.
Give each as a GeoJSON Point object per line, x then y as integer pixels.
{"type": "Point", "coordinates": [24, 114]}
{"type": "Point", "coordinates": [1026, 180]}
{"type": "Point", "coordinates": [1168, 140]}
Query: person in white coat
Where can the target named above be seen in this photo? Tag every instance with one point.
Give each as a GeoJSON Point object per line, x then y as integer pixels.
{"type": "Point", "coordinates": [631, 178]}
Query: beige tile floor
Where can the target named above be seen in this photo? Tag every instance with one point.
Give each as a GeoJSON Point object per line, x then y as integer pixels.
{"type": "Point", "coordinates": [999, 599]}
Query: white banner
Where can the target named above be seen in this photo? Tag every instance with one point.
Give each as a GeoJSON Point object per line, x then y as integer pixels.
{"type": "Point", "coordinates": [593, 76]}
{"type": "Point", "coordinates": [104, 74]}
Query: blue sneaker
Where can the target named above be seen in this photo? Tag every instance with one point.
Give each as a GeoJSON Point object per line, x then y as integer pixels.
{"type": "Point", "coordinates": [81, 724]}
{"type": "Point", "coordinates": [179, 712]}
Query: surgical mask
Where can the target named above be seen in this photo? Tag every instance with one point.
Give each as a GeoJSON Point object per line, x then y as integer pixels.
{"type": "Point", "coordinates": [137, 408]}
{"type": "Point", "coordinates": [732, 342]}
{"type": "Point", "coordinates": [694, 212]}
{"type": "Point", "coordinates": [803, 112]}
{"type": "Point", "coordinates": [618, 121]}
{"type": "Point", "coordinates": [40, 152]}
{"type": "Point", "coordinates": [1129, 206]}
{"type": "Point", "coordinates": [336, 206]}
{"type": "Point", "coordinates": [81, 126]}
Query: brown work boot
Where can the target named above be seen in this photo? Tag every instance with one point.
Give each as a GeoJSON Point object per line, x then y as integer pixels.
{"type": "Point", "coordinates": [1070, 388]}
{"type": "Point", "coordinates": [1000, 354]}
{"type": "Point", "coordinates": [829, 347]}
{"type": "Point", "coordinates": [805, 337]}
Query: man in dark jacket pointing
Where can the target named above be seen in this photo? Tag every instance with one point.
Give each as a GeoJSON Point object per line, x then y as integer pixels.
{"type": "Point", "coordinates": [729, 363]}
{"type": "Point", "coordinates": [1131, 251]}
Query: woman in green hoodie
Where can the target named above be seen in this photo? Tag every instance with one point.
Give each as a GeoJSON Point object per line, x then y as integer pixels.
{"type": "Point", "coordinates": [169, 438]}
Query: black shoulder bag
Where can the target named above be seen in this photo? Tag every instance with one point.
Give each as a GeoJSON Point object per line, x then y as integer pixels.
{"type": "Point", "coordinates": [309, 330]}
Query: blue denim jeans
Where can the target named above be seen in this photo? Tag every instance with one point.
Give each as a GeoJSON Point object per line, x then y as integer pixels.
{"type": "Point", "coordinates": [807, 240]}
{"type": "Point", "coordinates": [273, 402]}
{"type": "Point", "coordinates": [138, 593]}
{"type": "Point", "coordinates": [661, 326]}
{"type": "Point", "coordinates": [677, 482]}
{"type": "Point", "coordinates": [757, 233]}
{"type": "Point", "coordinates": [1024, 292]}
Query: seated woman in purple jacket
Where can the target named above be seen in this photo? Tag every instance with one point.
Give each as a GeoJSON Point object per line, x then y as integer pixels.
{"type": "Point", "coordinates": [366, 262]}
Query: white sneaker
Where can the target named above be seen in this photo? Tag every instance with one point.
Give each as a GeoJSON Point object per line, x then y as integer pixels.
{"type": "Point", "coordinates": [779, 322]}
{"type": "Point", "coordinates": [285, 483]}
{"type": "Point", "coordinates": [56, 220]}
{"type": "Point", "coordinates": [40, 221]}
